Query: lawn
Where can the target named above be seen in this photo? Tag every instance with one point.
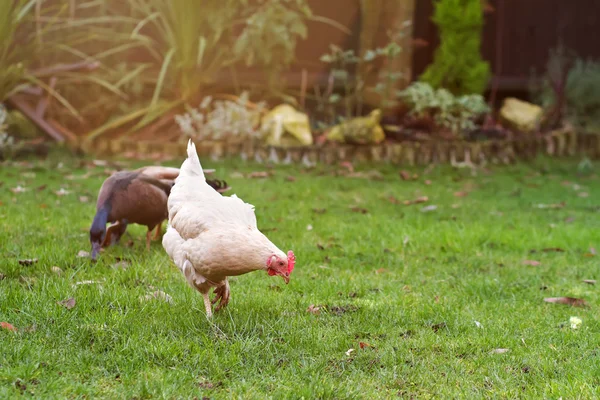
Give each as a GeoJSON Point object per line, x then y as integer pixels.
{"type": "Point", "coordinates": [386, 299]}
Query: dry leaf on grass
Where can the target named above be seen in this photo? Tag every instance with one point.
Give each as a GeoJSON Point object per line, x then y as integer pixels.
{"type": "Point", "coordinates": [259, 174]}
{"type": "Point", "coordinates": [85, 283]}
{"type": "Point", "coordinates": [349, 352]}
{"type": "Point", "coordinates": [18, 189]}
{"type": "Point", "coordinates": [41, 187]}
{"type": "Point", "coordinates": [583, 194]}
{"type": "Point", "coordinates": [551, 206]}
{"type": "Point", "coordinates": [56, 270]}
{"type": "Point", "coordinates": [429, 208]}
{"type": "Point", "coordinates": [532, 263]}
{"type": "Point", "coordinates": [569, 301]}
{"type": "Point", "coordinates": [362, 345]}
{"type": "Point", "coordinates": [461, 194]}
{"type": "Point", "coordinates": [407, 176]}
{"type": "Point", "coordinates": [83, 253]}
{"type": "Point", "coordinates": [7, 326]}
{"type": "Point", "coordinates": [500, 351]}
{"type": "Point", "coordinates": [590, 281]}
{"type": "Point", "coordinates": [68, 303]}
{"type": "Point", "coordinates": [314, 309]}
{"type": "Point", "coordinates": [418, 200]}
{"type": "Point", "coordinates": [319, 210]}
{"type": "Point", "coordinates": [62, 192]}
{"type": "Point", "coordinates": [28, 261]}
{"type": "Point", "coordinates": [290, 178]}
{"type": "Point", "coordinates": [159, 295]}
{"type": "Point", "coordinates": [309, 227]}
{"type": "Point", "coordinates": [359, 210]}
{"type": "Point", "coordinates": [84, 199]}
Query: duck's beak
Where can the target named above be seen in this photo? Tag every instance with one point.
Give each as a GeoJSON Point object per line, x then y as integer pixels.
{"type": "Point", "coordinates": [95, 250]}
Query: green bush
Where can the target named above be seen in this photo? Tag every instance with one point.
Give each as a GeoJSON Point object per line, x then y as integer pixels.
{"type": "Point", "coordinates": [457, 64]}
{"type": "Point", "coordinates": [455, 114]}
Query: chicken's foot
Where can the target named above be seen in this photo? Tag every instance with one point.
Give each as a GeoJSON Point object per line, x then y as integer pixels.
{"type": "Point", "coordinates": [221, 296]}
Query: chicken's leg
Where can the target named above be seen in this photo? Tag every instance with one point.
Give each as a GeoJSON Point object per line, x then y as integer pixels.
{"type": "Point", "coordinates": [221, 295]}
{"type": "Point", "coordinates": [158, 231]}
{"type": "Point", "coordinates": [207, 305]}
{"type": "Point", "coordinates": [148, 239]}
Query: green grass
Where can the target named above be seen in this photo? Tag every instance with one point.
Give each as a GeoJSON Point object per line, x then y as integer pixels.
{"type": "Point", "coordinates": [411, 284]}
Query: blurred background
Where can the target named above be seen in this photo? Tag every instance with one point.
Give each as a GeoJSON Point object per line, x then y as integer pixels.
{"type": "Point", "coordinates": [293, 73]}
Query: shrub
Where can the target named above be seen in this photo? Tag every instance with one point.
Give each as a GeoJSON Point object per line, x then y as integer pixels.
{"type": "Point", "coordinates": [456, 114]}
{"type": "Point", "coordinates": [457, 64]}
{"type": "Point", "coordinates": [222, 119]}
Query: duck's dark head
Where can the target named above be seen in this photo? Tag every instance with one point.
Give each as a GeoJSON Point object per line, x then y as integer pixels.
{"type": "Point", "coordinates": [98, 231]}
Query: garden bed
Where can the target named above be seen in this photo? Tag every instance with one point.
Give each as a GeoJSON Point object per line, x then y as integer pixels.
{"type": "Point", "coordinates": [559, 144]}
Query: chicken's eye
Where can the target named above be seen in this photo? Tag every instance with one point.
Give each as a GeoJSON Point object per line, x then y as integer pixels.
{"type": "Point", "coordinates": [281, 263]}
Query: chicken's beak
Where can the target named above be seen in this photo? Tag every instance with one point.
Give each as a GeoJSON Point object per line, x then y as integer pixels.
{"type": "Point", "coordinates": [286, 277]}
{"type": "Point", "coordinates": [95, 250]}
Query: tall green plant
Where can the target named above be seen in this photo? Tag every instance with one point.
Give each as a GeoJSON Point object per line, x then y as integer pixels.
{"type": "Point", "coordinates": [13, 56]}
{"type": "Point", "coordinates": [458, 66]}
{"type": "Point", "coordinates": [192, 42]}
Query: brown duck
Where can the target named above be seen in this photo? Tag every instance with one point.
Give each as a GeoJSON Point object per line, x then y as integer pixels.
{"type": "Point", "coordinates": [134, 197]}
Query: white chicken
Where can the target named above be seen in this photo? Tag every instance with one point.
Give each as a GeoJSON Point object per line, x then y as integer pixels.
{"type": "Point", "coordinates": [211, 237]}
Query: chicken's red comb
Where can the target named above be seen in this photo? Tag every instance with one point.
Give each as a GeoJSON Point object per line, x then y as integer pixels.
{"type": "Point", "coordinates": [291, 261]}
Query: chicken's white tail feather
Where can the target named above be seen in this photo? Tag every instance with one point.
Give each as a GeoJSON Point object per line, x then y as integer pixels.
{"type": "Point", "coordinates": [191, 166]}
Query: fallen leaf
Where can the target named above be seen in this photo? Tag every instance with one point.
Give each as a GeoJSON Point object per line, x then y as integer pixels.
{"type": "Point", "coordinates": [314, 309]}
{"type": "Point", "coordinates": [100, 163]}
{"type": "Point", "coordinates": [68, 303]}
{"type": "Point", "coordinates": [290, 178]}
{"type": "Point", "coordinates": [2, 276]}
{"type": "Point", "coordinates": [18, 189]}
{"type": "Point", "coordinates": [62, 192]}
{"type": "Point", "coordinates": [56, 270]}
{"type": "Point", "coordinates": [363, 345]}
{"type": "Point", "coordinates": [405, 175]}
{"type": "Point", "coordinates": [569, 301]}
{"type": "Point", "coordinates": [429, 208]}
{"type": "Point", "coordinates": [461, 194]}
{"type": "Point", "coordinates": [236, 175]}
{"type": "Point", "coordinates": [532, 263]}
{"type": "Point", "coordinates": [43, 205]}
{"type": "Point", "coordinates": [551, 206]}
{"type": "Point", "coordinates": [359, 210]}
{"type": "Point", "coordinates": [380, 271]}
{"type": "Point", "coordinates": [500, 351]}
{"type": "Point", "coordinates": [309, 227]}
{"type": "Point", "coordinates": [86, 283]}
{"type": "Point", "coordinates": [259, 174]}
{"type": "Point", "coordinates": [428, 182]}
{"type": "Point", "coordinates": [83, 253]}
{"type": "Point", "coordinates": [121, 265]}
{"type": "Point", "coordinates": [418, 200]}
{"type": "Point", "coordinates": [590, 281]}
{"type": "Point", "coordinates": [7, 326]}
{"type": "Point", "coordinates": [28, 261]}
{"type": "Point", "coordinates": [437, 327]}
{"type": "Point", "coordinates": [319, 210]}
{"type": "Point", "coordinates": [41, 187]}
{"type": "Point", "coordinates": [159, 295]}
{"type": "Point", "coordinates": [373, 175]}
{"type": "Point", "coordinates": [583, 194]}
{"type": "Point", "coordinates": [593, 251]}
{"type": "Point", "coordinates": [84, 199]}
{"type": "Point", "coordinates": [393, 200]}
{"type": "Point", "coordinates": [349, 352]}
{"type": "Point", "coordinates": [553, 250]}
{"type": "Point", "coordinates": [478, 324]}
